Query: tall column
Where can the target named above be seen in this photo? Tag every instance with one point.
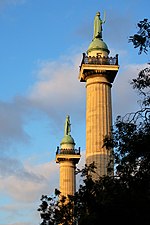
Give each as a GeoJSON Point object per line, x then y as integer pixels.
{"type": "Point", "coordinates": [98, 70]}
{"type": "Point", "coordinates": [67, 156]}
{"type": "Point", "coordinates": [98, 78]}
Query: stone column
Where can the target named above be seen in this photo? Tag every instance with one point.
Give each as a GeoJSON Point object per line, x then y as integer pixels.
{"type": "Point", "coordinates": [67, 178]}
{"type": "Point", "coordinates": [98, 121]}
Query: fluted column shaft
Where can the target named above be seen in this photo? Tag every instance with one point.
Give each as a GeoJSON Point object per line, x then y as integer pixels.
{"type": "Point", "coordinates": [98, 121]}
{"type": "Point", "coordinates": [67, 177]}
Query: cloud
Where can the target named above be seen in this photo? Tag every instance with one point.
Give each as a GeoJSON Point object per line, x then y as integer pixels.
{"type": "Point", "coordinates": [12, 120]}
{"type": "Point", "coordinates": [26, 188]}
{"type": "Point", "coordinates": [125, 99]}
{"type": "Point", "coordinates": [17, 169]}
{"type": "Point", "coordinates": [19, 214]}
{"type": "Point", "coordinates": [56, 93]}
{"type": "Point", "coordinates": [25, 182]}
{"type": "Point", "coordinates": [57, 90]}
{"type": "Point", "coordinates": [20, 223]}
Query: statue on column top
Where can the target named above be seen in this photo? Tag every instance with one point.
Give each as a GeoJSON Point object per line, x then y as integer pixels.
{"type": "Point", "coordinates": [98, 25]}
{"type": "Point", "coordinates": [67, 126]}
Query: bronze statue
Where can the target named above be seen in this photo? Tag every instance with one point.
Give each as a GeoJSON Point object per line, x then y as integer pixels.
{"type": "Point", "coordinates": [98, 25]}
{"type": "Point", "coordinates": [67, 126]}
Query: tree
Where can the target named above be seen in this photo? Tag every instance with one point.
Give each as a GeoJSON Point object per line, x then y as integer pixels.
{"type": "Point", "coordinates": [141, 39]}
{"type": "Point", "coordinates": [125, 197]}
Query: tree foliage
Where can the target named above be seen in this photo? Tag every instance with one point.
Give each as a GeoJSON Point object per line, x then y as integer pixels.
{"type": "Point", "coordinates": [142, 84]}
{"type": "Point", "coordinates": [141, 39]}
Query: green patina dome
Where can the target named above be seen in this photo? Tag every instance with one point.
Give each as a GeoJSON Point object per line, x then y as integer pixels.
{"type": "Point", "coordinates": [67, 139]}
{"type": "Point", "coordinates": [98, 44]}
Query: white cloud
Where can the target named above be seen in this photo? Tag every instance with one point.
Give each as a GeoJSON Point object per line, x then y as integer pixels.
{"type": "Point", "coordinates": [26, 183]}
{"type": "Point", "coordinates": [57, 90]}
{"type": "Point", "coordinates": [124, 97]}
{"type": "Point", "coordinates": [22, 214]}
{"type": "Point", "coordinates": [56, 93]}
{"type": "Point", "coordinates": [12, 119]}
{"type": "Point", "coordinates": [15, 117]}
{"type": "Point", "coordinates": [22, 190]}
{"type": "Point", "coordinates": [20, 223]}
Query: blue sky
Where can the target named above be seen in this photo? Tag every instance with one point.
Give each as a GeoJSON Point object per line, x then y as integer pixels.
{"type": "Point", "coordinates": [41, 46]}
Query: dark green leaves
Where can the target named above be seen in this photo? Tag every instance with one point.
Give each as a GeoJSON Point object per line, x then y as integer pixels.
{"type": "Point", "coordinates": [141, 39]}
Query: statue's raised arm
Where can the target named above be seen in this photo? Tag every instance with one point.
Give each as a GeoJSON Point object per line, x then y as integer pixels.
{"type": "Point", "coordinates": [98, 25]}
{"type": "Point", "coordinates": [67, 126]}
